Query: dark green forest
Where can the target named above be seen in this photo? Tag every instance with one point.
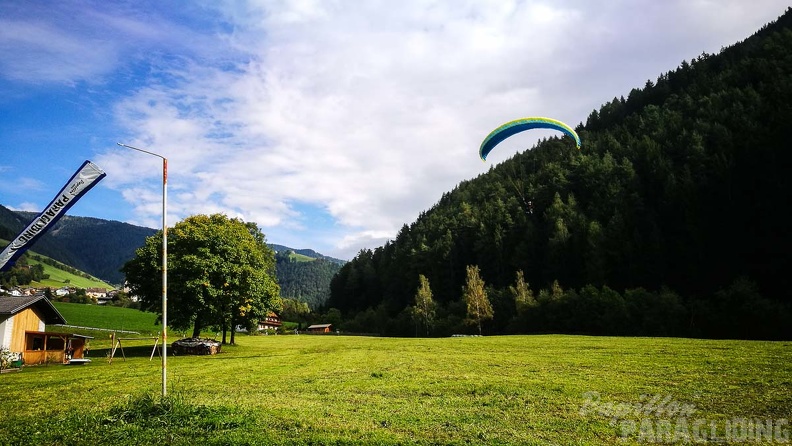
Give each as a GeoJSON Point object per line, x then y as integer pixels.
{"type": "Point", "coordinates": [307, 282]}
{"type": "Point", "coordinates": [672, 218]}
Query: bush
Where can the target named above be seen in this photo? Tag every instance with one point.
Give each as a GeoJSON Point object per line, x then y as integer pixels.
{"type": "Point", "coordinates": [5, 358]}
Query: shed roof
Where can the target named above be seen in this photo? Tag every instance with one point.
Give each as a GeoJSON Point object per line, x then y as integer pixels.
{"type": "Point", "coordinates": [319, 326]}
{"type": "Point", "coordinates": [58, 333]}
{"type": "Point", "coordinates": [14, 304]}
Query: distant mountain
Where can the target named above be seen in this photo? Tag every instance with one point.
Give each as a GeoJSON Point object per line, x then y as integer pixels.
{"type": "Point", "coordinates": [11, 223]}
{"type": "Point", "coordinates": [305, 277]}
{"type": "Point", "coordinates": [98, 247]}
{"type": "Point", "coordinates": [306, 252]}
{"type": "Point", "coordinates": [101, 247]}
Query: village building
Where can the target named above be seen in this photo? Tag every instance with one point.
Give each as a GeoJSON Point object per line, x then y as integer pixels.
{"type": "Point", "coordinates": [320, 328]}
{"type": "Point", "coordinates": [96, 293]}
{"type": "Point", "coordinates": [23, 322]}
{"type": "Point", "coordinates": [271, 322]}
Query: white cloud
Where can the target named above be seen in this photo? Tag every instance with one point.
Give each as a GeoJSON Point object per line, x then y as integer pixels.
{"type": "Point", "coordinates": [26, 207]}
{"type": "Point", "coordinates": [36, 51]}
{"type": "Point", "coordinates": [371, 110]}
{"type": "Point", "coordinates": [89, 40]}
{"type": "Point", "coordinates": [19, 183]}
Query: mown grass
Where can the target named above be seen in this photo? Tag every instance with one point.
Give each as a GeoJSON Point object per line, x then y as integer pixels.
{"type": "Point", "coordinates": [359, 390]}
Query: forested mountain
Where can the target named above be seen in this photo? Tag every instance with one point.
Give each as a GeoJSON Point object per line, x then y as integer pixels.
{"type": "Point", "coordinates": [98, 247]}
{"type": "Point", "coordinates": [307, 281]}
{"type": "Point", "coordinates": [670, 220]}
{"type": "Point", "coordinates": [101, 247]}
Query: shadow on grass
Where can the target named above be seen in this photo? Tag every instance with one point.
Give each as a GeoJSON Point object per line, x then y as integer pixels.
{"type": "Point", "coordinates": [138, 351]}
{"type": "Point", "coordinates": [144, 351]}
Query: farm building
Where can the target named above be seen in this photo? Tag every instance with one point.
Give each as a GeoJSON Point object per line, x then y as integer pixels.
{"type": "Point", "coordinates": [320, 328]}
{"type": "Point", "coordinates": [96, 293]}
{"type": "Point", "coordinates": [271, 322]}
{"type": "Point", "coordinates": [22, 324]}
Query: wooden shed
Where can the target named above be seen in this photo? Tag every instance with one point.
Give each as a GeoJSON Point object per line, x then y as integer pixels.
{"type": "Point", "coordinates": [42, 347]}
{"type": "Point", "coordinates": [320, 328]}
{"type": "Point", "coordinates": [22, 323]}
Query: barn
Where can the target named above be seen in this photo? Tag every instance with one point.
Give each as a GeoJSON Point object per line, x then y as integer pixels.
{"type": "Point", "coordinates": [320, 328]}
{"type": "Point", "coordinates": [23, 321]}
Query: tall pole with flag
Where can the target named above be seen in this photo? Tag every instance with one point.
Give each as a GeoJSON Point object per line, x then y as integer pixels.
{"type": "Point", "coordinates": [164, 265]}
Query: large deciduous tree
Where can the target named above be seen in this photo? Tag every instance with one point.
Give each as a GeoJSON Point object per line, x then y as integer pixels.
{"type": "Point", "coordinates": [220, 273]}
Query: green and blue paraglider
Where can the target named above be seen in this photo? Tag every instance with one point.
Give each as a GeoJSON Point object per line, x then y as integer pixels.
{"type": "Point", "coordinates": [521, 125]}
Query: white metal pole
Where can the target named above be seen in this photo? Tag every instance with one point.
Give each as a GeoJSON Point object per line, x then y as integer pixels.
{"type": "Point", "coordinates": [164, 276]}
{"type": "Point", "coordinates": [164, 265]}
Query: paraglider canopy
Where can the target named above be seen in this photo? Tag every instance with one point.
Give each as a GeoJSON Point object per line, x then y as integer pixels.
{"type": "Point", "coordinates": [521, 125]}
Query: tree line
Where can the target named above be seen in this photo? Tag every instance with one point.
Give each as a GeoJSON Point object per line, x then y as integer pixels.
{"type": "Point", "coordinates": [22, 274]}
{"type": "Point", "coordinates": [672, 214]}
{"type": "Point", "coordinates": [61, 266]}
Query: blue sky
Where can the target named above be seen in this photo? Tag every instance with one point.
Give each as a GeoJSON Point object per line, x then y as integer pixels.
{"type": "Point", "coordinates": [329, 123]}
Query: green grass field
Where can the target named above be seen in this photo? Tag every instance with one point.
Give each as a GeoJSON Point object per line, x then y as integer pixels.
{"type": "Point", "coordinates": [107, 317]}
{"type": "Point", "coordinates": [361, 390]}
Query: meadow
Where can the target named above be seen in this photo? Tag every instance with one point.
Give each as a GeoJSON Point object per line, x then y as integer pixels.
{"type": "Point", "coordinates": [58, 278]}
{"type": "Point", "coordinates": [329, 389]}
{"type": "Point", "coordinates": [107, 317]}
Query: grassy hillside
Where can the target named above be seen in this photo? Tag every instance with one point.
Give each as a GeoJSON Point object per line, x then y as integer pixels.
{"type": "Point", "coordinates": [107, 317]}
{"type": "Point", "coordinates": [355, 390]}
{"type": "Point", "coordinates": [59, 278]}
{"type": "Point", "coordinates": [99, 247]}
{"type": "Point", "coordinates": [310, 253]}
{"type": "Point", "coordinates": [300, 258]}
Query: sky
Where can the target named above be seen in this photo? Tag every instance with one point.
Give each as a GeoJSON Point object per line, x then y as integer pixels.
{"type": "Point", "coordinates": [329, 123]}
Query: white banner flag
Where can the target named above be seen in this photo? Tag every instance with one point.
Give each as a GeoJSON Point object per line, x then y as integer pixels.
{"type": "Point", "coordinates": [81, 182]}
